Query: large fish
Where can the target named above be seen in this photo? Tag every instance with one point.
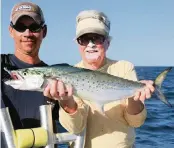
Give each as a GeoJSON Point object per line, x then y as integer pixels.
{"type": "Point", "coordinates": [95, 86]}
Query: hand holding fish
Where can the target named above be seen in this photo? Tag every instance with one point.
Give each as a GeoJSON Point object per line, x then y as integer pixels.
{"type": "Point", "coordinates": [146, 92]}
{"type": "Point", "coordinates": [136, 104]}
{"type": "Point", "coordinates": [57, 90]}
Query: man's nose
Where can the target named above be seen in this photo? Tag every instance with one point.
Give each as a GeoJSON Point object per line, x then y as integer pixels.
{"type": "Point", "coordinates": [27, 32]}
{"type": "Point", "coordinates": [91, 44]}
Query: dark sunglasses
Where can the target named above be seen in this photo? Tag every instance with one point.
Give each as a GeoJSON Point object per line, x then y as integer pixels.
{"type": "Point", "coordinates": [20, 27]}
{"type": "Point", "coordinates": [85, 39]}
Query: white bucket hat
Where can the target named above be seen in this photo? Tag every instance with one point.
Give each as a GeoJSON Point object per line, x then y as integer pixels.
{"type": "Point", "coordinates": [92, 21]}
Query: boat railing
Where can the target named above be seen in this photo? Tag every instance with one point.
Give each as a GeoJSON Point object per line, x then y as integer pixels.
{"type": "Point", "coordinates": [37, 137]}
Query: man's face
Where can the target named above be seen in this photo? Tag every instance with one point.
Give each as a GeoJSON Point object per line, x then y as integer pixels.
{"type": "Point", "coordinates": [93, 48]}
{"type": "Point", "coordinates": [27, 35]}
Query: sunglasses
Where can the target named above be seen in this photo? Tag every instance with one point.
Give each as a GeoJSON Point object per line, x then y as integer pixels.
{"type": "Point", "coordinates": [85, 39]}
{"type": "Point", "coordinates": [20, 27]}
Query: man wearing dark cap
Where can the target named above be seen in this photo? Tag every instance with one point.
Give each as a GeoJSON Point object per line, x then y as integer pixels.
{"type": "Point", "coordinates": [28, 29]}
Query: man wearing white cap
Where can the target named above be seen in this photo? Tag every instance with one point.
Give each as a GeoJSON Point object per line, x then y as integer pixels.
{"type": "Point", "coordinates": [117, 129]}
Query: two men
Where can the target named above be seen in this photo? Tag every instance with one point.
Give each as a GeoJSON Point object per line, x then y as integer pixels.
{"type": "Point", "coordinates": [28, 29]}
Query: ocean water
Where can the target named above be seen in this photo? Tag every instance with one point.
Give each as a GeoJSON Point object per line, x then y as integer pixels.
{"type": "Point", "coordinates": [158, 129]}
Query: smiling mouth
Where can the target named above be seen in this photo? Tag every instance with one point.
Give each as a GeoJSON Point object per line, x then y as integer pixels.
{"type": "Point", "coordinates": [92, 51]}
{"type": "Point", "coordinates": [28, 41]}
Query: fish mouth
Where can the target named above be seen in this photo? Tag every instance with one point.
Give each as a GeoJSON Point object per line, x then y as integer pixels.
{"type": "Point", "coordinates": [16, 76]}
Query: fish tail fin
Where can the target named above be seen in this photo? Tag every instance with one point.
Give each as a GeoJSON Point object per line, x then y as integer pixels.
{"type": "Point", "coordinates": [158, 82]}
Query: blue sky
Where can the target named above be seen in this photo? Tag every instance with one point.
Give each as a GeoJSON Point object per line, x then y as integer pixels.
{"type": "Point", "coordinates": [142, 30]}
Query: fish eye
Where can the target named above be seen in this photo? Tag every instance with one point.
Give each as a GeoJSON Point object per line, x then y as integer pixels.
{"type": "Point", "coordinates": [24, 73]}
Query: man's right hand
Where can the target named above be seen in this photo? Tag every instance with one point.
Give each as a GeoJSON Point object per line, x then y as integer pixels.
{"type": "Point", "coordinates": [57, 90]}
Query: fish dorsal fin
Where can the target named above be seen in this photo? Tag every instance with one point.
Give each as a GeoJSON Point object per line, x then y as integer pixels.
{"type": "Point", "coordinates": [61, 64]}
{"type": "Point", "coordinates": [69, 68]}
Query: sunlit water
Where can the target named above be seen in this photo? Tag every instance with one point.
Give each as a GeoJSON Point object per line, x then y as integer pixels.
{"type": "Point", "coordinates": [158, 129]}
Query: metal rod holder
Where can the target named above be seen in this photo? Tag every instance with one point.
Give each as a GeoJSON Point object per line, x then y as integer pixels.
{"type": "Point", "coordinates": [7, 128]}
{"type": "Point", "coordinates": [46, 123]}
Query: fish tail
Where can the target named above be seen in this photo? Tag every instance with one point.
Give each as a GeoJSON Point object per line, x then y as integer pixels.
{"type": "Point", "coordinates": [157, 84]}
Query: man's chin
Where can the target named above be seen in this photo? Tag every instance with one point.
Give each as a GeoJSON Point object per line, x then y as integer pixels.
{"type": "Point", "coordinates": [92, 57]}
{"type": "Point", "coordinates": [29, 48]}
{"type": "Point", "coordinates": [91, 61]}
{"type": "Point", "coordinates": [29, 51]}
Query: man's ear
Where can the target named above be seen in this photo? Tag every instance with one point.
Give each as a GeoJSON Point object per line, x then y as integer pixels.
{"type": "Point", "coordinates": [109, 43]}
{"type": "Point", "coordinates": [75, 40]}
{"type": "Point", "coordinates": [11, 31]}
{"type": "Point", "coordinates": [109, 40]}
{"type": "Point", "coordinates": [44, 31]}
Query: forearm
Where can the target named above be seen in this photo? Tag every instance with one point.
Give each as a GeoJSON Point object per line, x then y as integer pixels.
{"type": "Point", "coordinates": [134, 114]}
{"type": "Point", "coordinates": [74, 122]}
{"type": "Point", "coordinates": [69, 105]}
{"type": "Point", "coordinates": [134, 107]}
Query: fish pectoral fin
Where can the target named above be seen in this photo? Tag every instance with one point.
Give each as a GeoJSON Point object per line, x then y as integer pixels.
{"type": "Point", "coordinates": [100, 107]}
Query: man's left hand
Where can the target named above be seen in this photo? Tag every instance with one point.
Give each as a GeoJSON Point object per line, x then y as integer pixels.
{"type": "Point", "coordinates": [146, 92]}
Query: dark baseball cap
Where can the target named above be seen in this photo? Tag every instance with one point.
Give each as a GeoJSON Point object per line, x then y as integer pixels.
{"type": "Point", "coordinates": [28, 9]}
